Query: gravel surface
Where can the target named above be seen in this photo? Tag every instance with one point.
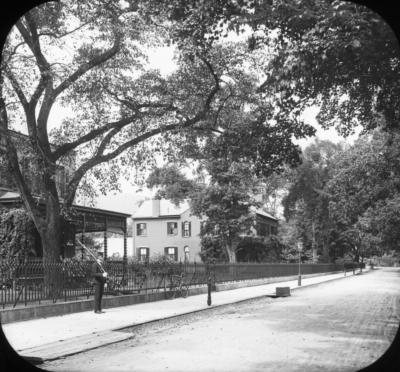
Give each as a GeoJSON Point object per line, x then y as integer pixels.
{"type": "Point", "coordinates": [342, 325]}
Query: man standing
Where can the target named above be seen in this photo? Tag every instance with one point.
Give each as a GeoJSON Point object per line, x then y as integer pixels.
{"type": "Point", "coordinates": [100, 277]}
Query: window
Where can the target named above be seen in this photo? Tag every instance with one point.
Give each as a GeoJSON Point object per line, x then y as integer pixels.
{"type": "Point", "coordinates": [186, 251]}
{"type": "Point", "coordinates": [172, 228]}
{"type": "Point", "coordinates": [262, 229]}
{"type": "Point", "coordinates": [171, 252]}
{"type": "Point", "coordinates": [143, 254]}
{"type": "Point", "coordinates": [141, 229]}
{"type": "Point", "coordinates": [186, 229]}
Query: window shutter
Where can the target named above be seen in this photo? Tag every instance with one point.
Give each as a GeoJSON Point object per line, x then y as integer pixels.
{"type": "Point", "coordinates": [190, 229]}
{"type": "Point", "coordinates": [147, 253]}
{"type": "Point", "coordinates": [176, 253]}
{"type": "Point", "coordinates": [183, 228]}
{"type": "Point", "coordinates": [166, 251]}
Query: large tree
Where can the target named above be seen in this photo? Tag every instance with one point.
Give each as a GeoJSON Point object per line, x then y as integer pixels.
{"type": "Point", "coordinates": [90, 57]}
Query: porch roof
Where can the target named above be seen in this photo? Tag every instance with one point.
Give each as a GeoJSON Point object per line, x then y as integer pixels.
{"type": "Point", "coordinates": [85, 219]}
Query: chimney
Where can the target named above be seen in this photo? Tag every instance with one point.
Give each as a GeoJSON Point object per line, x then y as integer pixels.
{"type": "Point", "coordinates": [155, 207]}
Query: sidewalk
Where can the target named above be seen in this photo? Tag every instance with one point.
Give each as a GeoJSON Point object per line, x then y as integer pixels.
{"type": "Point", "coordinates": [54, 337]}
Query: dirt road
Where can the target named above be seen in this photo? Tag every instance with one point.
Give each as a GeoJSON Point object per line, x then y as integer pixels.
{"type": "Point", "coordinates": [343, 325]}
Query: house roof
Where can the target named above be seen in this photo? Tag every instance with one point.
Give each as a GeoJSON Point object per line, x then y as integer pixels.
{"type": "Point", "coordinates": [12, 197]}
{"type": "Point", "coordinates": [6, 195]}
{"type": "Point", "coordinates": [167, 209]}
{"type": "Point", "coordinates": [264, 214]}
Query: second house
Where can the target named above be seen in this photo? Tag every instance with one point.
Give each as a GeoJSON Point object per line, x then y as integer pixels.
{"type": "Point", "coordinates": [160, 227]}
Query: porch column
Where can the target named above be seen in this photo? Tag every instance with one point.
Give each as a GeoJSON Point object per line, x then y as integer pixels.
{"type": "Point", "coordinates": [125, 241]}
{"type": "Point", "coordinates": [105, 238]}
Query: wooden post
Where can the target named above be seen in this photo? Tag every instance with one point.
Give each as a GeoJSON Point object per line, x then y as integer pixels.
{"type": "Point", "coordinates": [125, 242]}
{"type": "Point", "coordinates": [105, 243]}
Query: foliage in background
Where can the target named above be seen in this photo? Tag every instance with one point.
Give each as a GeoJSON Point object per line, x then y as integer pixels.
{"type": "Point", "coordinates": [17, 234]}
{"type": "Point", "coordinates": [260, 249]}
{"type": "Point", "coordinates": [364, 194]}
{"type": "Point", "coordinates": [306, 202]}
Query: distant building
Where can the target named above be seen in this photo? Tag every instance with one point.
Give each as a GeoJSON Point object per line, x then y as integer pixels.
{"type": "Point", "coordinates": [160, 227]}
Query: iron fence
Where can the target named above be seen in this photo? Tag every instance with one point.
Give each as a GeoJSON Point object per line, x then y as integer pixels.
{"type": "Point", "coordinates": [29, 282]}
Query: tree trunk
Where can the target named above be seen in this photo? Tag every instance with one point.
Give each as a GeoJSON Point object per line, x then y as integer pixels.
{"type": "Point", "coordinates": [230, 250]}
{"type": "Point", "coordinates": [231, 254]}
{"type": "Point", "coordinates": [51, 236]}
{"type": "Point", "coordinates": [314, 243]}
{"type": "Point", "coordinates": [51, 233]}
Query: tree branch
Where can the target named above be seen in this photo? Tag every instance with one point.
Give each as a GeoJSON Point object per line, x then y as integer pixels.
{"type": "Point", "coordinates": [101, 158]}
{"type": "Point", "coordinates": [32, 40]}
{"type": "Point", "coordinates": [95, 61]}
{"type": "Point", "coordinates": [52, 34]}
{"type": "Point", "coordinates": [69, 146]}
{"type": "Point", "coordinates": [137, 106]}
{"type": "Point", "coordinates": [14, 169]}
{"type": "Point", "coordinates": [17, 88]}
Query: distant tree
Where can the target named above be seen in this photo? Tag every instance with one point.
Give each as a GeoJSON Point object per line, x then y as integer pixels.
{"type": "Point", "coordinates": [258, 249]}
{"type": "Point", "coordinates": [306, 202]}
{"type": "Point", "coordinates": [381, 222]}
{"type": "Point", "coordinates": [364, 193]}
{"type": "Point", "coordinates": [174, 185]}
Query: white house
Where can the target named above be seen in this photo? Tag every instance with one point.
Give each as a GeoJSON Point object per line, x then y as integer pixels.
{"type": "Point", "coordinates": [160, 227]}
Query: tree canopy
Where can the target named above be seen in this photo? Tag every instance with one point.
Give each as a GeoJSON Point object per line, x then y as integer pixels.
{"type": "Point", "coordinates": [91, 57]}
{"type": "Point", "coordinates": [338, 55]}
{"type": "Point", "coordinates": [345, 199]}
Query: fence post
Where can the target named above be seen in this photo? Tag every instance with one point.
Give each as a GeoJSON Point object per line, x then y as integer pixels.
{"type": "Point", "coordinates": [64, 278]}
{"type": "Point", "coordinates": [208, 285]}
{"type": "Point", "coordinates": [25, 280]}
{"type": "Point", "coordinates": [164, 275]}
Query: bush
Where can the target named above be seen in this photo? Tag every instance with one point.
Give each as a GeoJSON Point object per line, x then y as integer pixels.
{"type": "Point", "coordinates": [17, 234]}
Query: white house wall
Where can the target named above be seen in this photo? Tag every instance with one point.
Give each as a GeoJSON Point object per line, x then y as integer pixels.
{"type": "Point", "coordinates": [157, 238]}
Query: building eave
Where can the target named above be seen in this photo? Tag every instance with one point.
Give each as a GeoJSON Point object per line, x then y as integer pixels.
{"type": "Point", "coordinates": [79, 208]}
{"type": "Point", "coordinates": [163, 217]}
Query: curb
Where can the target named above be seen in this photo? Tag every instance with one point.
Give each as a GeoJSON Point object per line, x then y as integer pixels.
{"type": "Point", "coordinates": [40, 360]}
